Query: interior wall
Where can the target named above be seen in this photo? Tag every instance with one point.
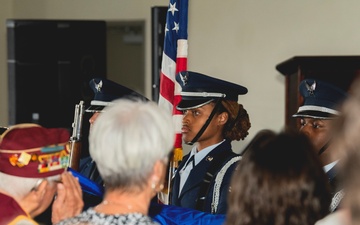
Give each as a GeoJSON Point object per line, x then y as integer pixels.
{"type": "Point", "coordinates": [110, 10]}
{"type": "Point", "coordinates": [6, 11]}
{"type": "Point", "coordinates": [125, 54]}
{"type": "Point", "coordinates": [240, 41]}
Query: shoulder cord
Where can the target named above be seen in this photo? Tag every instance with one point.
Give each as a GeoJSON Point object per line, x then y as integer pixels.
{"type": "Point", "coordinates": [218, 181]}
{"type": "Point", "coordinates": [335, 201]}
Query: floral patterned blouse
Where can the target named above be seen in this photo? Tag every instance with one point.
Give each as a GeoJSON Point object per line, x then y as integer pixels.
{"type": "Point", "coordinates": [91, 217]}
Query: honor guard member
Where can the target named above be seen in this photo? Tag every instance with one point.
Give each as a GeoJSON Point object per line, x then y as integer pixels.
{"type": "Point", "coordinates": [318, 117]}
{"type": "Point", "coordinates": [105, 91]}
{"type": "Point", "coordinates": [212, 118]}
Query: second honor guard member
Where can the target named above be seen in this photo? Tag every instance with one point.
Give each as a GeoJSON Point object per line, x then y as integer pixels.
{"type": "Point", "coordinates": [318, 119]}
{"type": "Point", "coordinates": [212, 118]}
{"type": "Point", "coordinates": [105, 91]}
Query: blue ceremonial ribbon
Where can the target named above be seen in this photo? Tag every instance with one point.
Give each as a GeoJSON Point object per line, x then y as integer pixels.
{"type": "Point", "coordinates": [88, 185]}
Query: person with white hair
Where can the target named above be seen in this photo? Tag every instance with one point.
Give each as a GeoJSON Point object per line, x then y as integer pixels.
{"type": "Point", "coordinates": [33, 160]}
{"type": "Point", "coordinates": [130, 143]}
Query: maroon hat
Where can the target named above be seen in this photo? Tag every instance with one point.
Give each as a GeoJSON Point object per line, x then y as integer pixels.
{"type": "Point", "coordinates": [30, 150]}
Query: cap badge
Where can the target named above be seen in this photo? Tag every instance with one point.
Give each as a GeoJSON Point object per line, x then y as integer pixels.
{"type": "Point", "coordinates": [184, 78]}
{"type": "Point", "coordinates": [310, 88]}
{"type": "Point", "coordinates": [99, 86]}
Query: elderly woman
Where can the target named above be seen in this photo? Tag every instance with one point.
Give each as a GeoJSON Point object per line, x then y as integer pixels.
{"type": "Point", "coordinates": [130, 143]}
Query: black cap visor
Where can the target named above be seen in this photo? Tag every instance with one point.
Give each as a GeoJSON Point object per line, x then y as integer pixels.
{"type": "Point", "coordinates": [193, 103]}
{"type": "Point", "coordinates": [95, 108]}
{"type": "Point", "coordinates": [315, 115]}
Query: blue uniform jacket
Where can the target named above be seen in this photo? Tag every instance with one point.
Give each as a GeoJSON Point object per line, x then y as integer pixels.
{"type": "Point", "coordinates": [192, 185]}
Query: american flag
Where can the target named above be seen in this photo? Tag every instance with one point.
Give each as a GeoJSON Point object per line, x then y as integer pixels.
{"type": "Point", "coordinates": [174, 60]}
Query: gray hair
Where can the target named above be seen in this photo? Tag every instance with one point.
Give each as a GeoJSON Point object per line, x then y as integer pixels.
{"type": "Point", "coordinates": [127, 139]}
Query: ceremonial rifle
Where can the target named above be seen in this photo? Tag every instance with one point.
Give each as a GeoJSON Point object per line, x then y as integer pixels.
{"type": "Point", "coordinates": [75, 139]}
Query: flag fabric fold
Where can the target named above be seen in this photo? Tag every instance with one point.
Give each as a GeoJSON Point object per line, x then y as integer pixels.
{"type": "Point", "coordinates": [174, 60]}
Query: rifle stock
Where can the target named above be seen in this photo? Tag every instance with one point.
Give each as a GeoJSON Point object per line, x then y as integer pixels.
{"type": "Point", "coordinates": [164, 196]}
{"type": "Point", "coordinates": [75, 139]}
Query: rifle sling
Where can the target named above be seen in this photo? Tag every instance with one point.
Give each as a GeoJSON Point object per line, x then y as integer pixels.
{"type": "Point", "coordinates": [207, 122]}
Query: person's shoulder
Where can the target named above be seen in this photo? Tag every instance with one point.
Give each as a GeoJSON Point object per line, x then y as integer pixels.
{"type": "Point", "coordinates": [22, 220]}
{"type": "Point", "coordinates": [340, 217]}
{"type": "Point", "coordinates": [11, 211]}
{"type": "Point", "coordinates": [82, 218]}
{"type": "Point", "coordinates": [230, 164]}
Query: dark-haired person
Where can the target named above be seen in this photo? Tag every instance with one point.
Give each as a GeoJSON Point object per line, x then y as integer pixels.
{"type": "Point", "coordinates": [279, 181]}
{"type": "Point", "coordinates": [212, 119]}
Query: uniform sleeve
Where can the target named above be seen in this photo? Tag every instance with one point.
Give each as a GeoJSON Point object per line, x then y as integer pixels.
{"type": "Point", "coordinates": [222, 185]}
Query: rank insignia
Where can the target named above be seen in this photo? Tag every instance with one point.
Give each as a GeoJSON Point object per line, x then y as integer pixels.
{"type": "Point", "coordinates": [209, 158]}
{"type": "Point", "coordinates": [99, 86]}
{"type": "Point", "coordinates": [184, 77]}
{"type": "Point", "coordinates": [310, 88]}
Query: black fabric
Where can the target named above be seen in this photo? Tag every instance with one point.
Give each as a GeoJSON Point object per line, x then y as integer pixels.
{"type": "Point", "coordinates": [193, 82]}
{"type": "Point", "coordinates": [192, 103]}
{"type": "Point", "coordinates": [215, 166]}
{"type": "Point", "coordinates": [191, 160]}
{"type": "Point", "coordinates": [88, 169]}
{"type": "Point", "coordinates": [333, 181]}
{"type": "Point", "coordinates": [322, 150]}
{"type": "Point", "coordinates": [44, 217]}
